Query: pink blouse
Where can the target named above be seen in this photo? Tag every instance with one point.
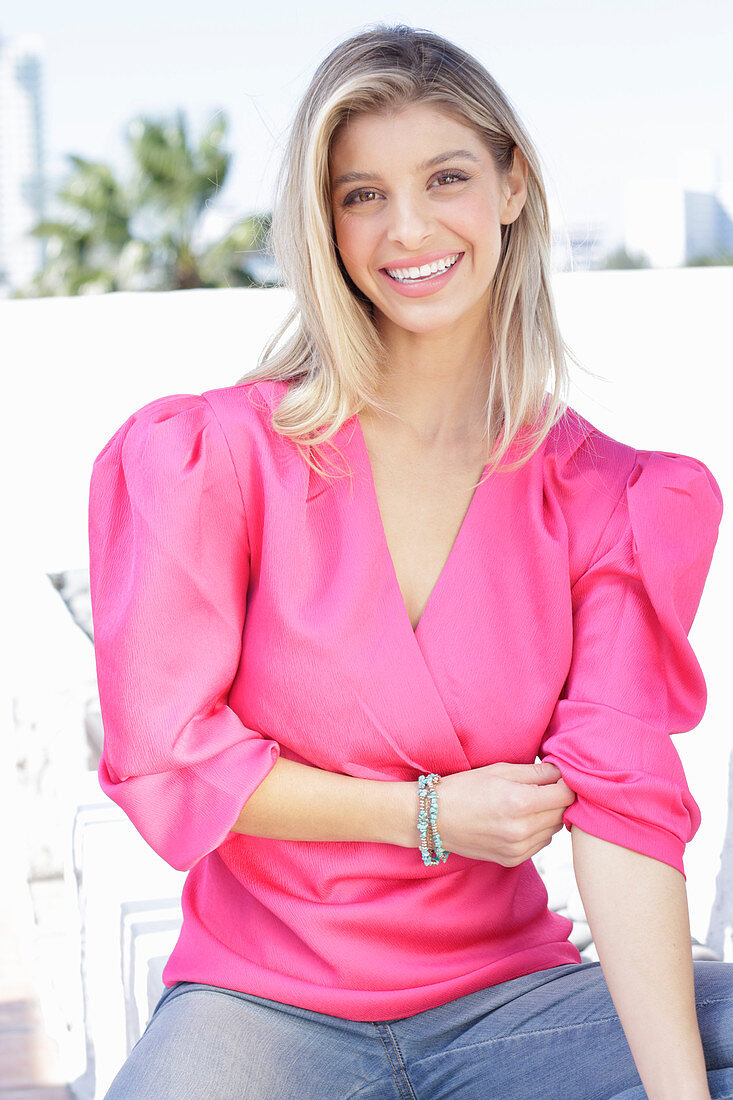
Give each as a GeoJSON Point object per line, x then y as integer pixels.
{"type": "Point", "coordinates": [246, 607]}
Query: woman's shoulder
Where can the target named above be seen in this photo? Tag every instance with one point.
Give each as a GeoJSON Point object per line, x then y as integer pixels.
{"type": "Point", "coordinates": [254, 400]}
{"type": "Point", "coordinates": [179, 418]}
{"type": "Point", "coordinates": [652, 495]}
{"type": "Point", "coordinates": [184, 444]}
{"type": "Point", "coordinates": [583, 461]}
{"type": "Point", "coordinates": [579, 457]}
{"type": "Point", "coordinates": [247, 406]}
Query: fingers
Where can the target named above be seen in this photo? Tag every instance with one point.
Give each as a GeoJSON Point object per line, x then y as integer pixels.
{"type": "Point", "coordinates": [537, 773]}
{"type": "Point", "coordinates": [539, 840]}
{"type": "Point", "coordinates": [522, 831]}
{"type": "Point", "coordinates": [549, 819]}
{"type": "Point", "coordinates": [512, 854]}
{"type": "Point", "coordinates": [556, 796]}
{"type": "Point", "coordinates": [522, 800]}
{"type": "Point", "coordinates": [542, 841]}
{"type": "Point", "coordinates": [504, 812]}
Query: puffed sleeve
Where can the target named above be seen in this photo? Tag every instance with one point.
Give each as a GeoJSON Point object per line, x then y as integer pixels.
{"type": "Point", "coordinates": [169, 569]}
{"type": "Point", "coordinates": [634, 678]}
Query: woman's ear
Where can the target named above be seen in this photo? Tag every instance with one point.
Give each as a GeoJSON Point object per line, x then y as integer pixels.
{"type": "Point", "coordinates": [514, 188]}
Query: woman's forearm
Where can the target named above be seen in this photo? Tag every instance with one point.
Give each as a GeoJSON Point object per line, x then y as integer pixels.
{"type": "Point", "coordinates": [637, 912]}
{"type": "Point", "coordinates": [479, 809]}
{"type": "Point", "coordinates": [299, 802]}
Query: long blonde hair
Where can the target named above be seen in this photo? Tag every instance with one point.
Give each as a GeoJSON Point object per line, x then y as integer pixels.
{"type": "Point", "coordinates": [328, 347]}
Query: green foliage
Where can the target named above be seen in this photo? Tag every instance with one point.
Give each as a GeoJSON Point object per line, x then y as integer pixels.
{"type": "Point", "coordinates": [716, 259]}
{"type": "Point", "coordinates": [143, 234]}
{"type": "Point", "coordinates": [623, 260]}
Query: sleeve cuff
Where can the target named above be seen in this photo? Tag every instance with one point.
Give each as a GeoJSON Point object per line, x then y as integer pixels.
{"type": "Point", "coordinates": [210, 796]}
{"type": "Point", "coordinates": [647, 839]}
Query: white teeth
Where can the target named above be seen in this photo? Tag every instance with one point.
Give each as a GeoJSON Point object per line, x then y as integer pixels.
{"type": "Point", "coordinates": [404, 274]}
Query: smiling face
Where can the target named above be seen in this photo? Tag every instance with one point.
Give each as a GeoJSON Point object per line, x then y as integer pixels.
{"type": "Point", "coordinates": [418, 206]}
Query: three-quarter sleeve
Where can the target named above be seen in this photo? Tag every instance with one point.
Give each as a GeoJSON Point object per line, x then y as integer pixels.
{"type": "Point", "coordinates": [169, 570]}
{"type": "Point", "coordinates": [634, 679]}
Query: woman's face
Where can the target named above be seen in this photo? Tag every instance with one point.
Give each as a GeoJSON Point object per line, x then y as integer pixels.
{"type": "Point", "coordinates": [418, 208]}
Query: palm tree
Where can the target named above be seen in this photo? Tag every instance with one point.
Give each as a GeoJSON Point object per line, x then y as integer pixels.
{"type": "Point", "coordinates": [145, 234]}
{"type": "Point", "coordinates": [82, 253]}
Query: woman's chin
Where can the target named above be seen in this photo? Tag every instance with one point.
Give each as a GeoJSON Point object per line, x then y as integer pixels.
{"type": "Point", "coordinates": [390, 325]}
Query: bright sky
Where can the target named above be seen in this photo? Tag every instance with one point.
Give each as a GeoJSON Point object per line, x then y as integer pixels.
{"type": "Point", "coordinates": [610, 90]}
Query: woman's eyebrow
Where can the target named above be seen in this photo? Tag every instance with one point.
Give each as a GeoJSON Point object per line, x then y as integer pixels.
{"type": "Point", "coordinates": [441, 158]}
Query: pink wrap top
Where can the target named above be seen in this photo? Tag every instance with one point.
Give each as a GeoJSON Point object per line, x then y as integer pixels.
{"type": "Point", "coordinates": [246, 606]}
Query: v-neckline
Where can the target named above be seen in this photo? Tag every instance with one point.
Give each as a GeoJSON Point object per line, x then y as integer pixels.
{"type": "Point", "coordinates": [414, 630]}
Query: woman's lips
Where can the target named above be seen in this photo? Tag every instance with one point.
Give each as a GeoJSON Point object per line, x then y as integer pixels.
{"type": "Point", "coordinates": [429, 284]}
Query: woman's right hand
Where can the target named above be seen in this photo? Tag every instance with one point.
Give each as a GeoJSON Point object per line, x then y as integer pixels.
{"type": "Point", "coordinates": [503, 812]}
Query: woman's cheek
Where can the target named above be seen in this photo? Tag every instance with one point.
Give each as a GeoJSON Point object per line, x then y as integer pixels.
{"type": "Point", "coordinates": [354, 250]}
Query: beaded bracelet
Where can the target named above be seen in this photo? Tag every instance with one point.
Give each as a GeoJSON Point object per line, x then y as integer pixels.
{"type": "Point", "coordinates": [431, 847]}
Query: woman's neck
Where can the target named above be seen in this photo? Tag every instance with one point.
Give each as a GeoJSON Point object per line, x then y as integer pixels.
{"type": "Point", "coordinates": [437, 385]}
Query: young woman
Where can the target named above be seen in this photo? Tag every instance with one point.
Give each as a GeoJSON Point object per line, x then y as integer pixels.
{"type": "Point", "coordinates": [343, 606]}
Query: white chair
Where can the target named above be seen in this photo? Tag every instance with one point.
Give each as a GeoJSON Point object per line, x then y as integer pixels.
{"type": "Point", "coordinates": [128, 901]}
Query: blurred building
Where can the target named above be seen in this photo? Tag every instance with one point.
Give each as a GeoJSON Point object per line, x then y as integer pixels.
{"type": "Point", "coordinates": [579, 246]}
{"type": "Point", "coordinates": [22, 166]}
{"type": "Point", "coordinates": [673, 225]}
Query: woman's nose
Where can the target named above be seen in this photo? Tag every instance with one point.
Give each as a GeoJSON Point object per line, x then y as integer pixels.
{"type": "Point", "coordinates": [410, 222]}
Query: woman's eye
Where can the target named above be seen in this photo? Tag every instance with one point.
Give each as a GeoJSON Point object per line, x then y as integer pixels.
{"type": "Point", "coordinates": [368, 194]}
{"type": "Point", "coordinates": [451, 176]}
{"type": "Point", "coordinates": [357, 198]}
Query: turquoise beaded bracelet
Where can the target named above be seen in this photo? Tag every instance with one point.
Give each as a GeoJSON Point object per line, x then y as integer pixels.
{"type": "Point", "coordinates": [431, 847]}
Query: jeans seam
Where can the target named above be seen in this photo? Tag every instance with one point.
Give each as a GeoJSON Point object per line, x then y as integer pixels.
{"type": "Point", "coordinates": [522, 1035]}
{"type": "Point", "coordinates": [403, 1064]}
{"type": "Point", "coordinates": [399, 1074]}
{"type": "Point", "coordinates": [712, 1001]}
{"type": "Point", "coordinates": [555, 1030]}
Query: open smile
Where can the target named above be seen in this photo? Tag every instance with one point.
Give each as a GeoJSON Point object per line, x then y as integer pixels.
{"type": "Point", "coordinates": [426, 271]}
{"type": "Point", "coordinates": [428, 278]}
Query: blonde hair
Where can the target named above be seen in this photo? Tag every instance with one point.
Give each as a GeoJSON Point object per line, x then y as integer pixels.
{"type": "Point", "coordinates": [333, 356]}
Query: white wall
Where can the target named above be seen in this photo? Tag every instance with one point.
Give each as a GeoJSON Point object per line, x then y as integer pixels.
{"type": "Point", "coordinates": [75, 368]}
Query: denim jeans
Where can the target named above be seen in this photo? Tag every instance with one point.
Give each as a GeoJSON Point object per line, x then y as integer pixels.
{"type": "Point", "coordinates": [550, 1035]}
